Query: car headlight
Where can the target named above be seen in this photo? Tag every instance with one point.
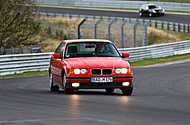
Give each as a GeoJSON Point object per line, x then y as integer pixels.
{"type": "Point", "coordinates": [84, 71]}
{"type": "Point", "coordinates": [121, 70]}
{"type": "Point", "coordinates": [124, 70]}
{"type": "Point", "coordinates": [80, 71]}
{"type": "Point", "coordinates": [153, 11]}
{"type": "Point", "coordinates": [118, 70]}
{"type": "Point", "coordinates": [76, 71]}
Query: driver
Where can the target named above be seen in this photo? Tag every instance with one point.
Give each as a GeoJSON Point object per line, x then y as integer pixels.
{"type": "Point", "coordinates": [100, 48]}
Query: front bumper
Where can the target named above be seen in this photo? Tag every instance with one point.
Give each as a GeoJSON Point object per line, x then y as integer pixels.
{"type": "Point", "coordinates": [158, 13]}
{"type": "Point", "coordinates": [85, 82]}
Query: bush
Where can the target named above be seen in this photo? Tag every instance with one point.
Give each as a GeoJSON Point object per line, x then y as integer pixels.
{"type": "Point", "coordinates": [17, 22]}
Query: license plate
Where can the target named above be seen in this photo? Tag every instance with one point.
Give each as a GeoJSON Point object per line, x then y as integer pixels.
{"type": "Point", "coordinates": [102, 79]}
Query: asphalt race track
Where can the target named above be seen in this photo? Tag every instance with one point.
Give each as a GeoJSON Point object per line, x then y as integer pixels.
{"type": "Point", "coordinates": [161, 97]}
{"type": "Point", "coordinates": [178, 18]}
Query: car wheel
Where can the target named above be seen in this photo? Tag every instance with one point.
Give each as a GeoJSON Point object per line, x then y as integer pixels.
{"type": "Point", "coordinates": [110, 90]}
{"type": "Point", "coordinates": [140, 14]}
{"type": "Point", "coordinates": [127, 91]}
{"type": "Point", "coordinates": [53, 88]}
{"type": "Point", "coordinates": [150, 14]}
{"type": "Point", "coordinates": [66, 90]}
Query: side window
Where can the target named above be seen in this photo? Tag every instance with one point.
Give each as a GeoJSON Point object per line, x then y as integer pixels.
{"type": "Point", "coordinates": [60, 49]}
{"type": "Point", "coordinates": [145, 7]}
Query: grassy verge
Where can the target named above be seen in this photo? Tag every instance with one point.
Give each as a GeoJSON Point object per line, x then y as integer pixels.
{"type": "Point", "coordinates": [31, 73]}
{"type": "Point", "coordinates": [153, 61]}
{"type": "Point", "coordinates": [158, 36]}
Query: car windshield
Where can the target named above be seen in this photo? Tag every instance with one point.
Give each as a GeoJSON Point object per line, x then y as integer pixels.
{"type": "Point", "coordinates": [153, 6]}
{"type": "Point", "coordinates": [91, 49]}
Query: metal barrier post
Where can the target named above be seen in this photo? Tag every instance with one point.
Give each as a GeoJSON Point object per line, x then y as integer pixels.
{"type": "Point", "coordinates": [162, 25]}
{"type": "Point", "coordinates": [156, 24]}
{"type": "Point", "coordinates": [150, 23]}
{"type": "Point", "coordinates": [79, 35]}
{"type": "Point", "coordinates": [134, 33]}
{"type": "Point", "coordinates": [129, 20]}
{"type": "Point", "coordinates": [123, 34]}
{"type": "Point", "coordinates": [1, 51]}
{"type": "Point", "coordinates": [30, 48]}
{"type": "Point", "coordinates": [109, 28]}
{"type": "Point", "coordinates": [145, 41]}
{"type": "Point", "coordinates": [173, 26]}
{"type": "Point", "coordinates": [179, 27]}
{"type": "Point", "coordinates": [21, 50]}
{"type": "Point", "coordinates": [47, 14]}
{"type": "Point", "coordinates": [95, 27]}
{"type": "Point", "coordinates": [168, 26]}
{"type": "Point", "coordinates": [184, 28]}
{"type": "Point", "coordinates": [12, 50]}
{"type": "Point", "coordinates": [143, 21]}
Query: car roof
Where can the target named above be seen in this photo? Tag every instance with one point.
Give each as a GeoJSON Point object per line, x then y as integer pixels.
{"type": "Point", "coordinates": [86, 40]}
{"type": "Point", "coordinates": [150, 4]}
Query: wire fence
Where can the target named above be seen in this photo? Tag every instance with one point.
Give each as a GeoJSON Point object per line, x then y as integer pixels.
{"type": "Point", "coordinates": [21, 50]}
{"type": "Point", "coordinates": [124, 32]}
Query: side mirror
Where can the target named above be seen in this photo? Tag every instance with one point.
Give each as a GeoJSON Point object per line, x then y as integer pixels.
{"type": "Point", "coordinates": [125, 55]}
{"type": "Point", "coordinates": [56, 55]}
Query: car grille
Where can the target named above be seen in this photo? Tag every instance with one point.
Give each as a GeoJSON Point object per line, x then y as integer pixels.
{"type": "Point", "coordinates": [101, 71]}
{"type": "Point", "coordinates": [96, 71]}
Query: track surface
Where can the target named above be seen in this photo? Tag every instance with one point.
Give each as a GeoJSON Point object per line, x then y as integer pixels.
{"type": "Point", "coordinates": [178, 18]}
{"type": "Point", "coordinates": [161, 97]}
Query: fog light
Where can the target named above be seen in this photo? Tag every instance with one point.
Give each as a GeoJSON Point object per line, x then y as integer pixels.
{"type": "Point", "coordinates": [75, 85]}
{"type": "Point", "coordinates": [126, 83]}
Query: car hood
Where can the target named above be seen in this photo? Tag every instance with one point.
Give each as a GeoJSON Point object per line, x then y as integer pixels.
{"type": "Point", "coordinates": [97, 62]}
{"type": "Point", "coordinates": [157, 9]}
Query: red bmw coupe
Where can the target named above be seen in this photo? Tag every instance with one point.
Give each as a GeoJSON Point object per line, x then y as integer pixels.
{"type": "Point", "coordinates": [89, 64]}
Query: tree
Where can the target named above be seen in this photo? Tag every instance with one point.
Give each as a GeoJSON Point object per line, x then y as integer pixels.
{"type": "Point", "coordinates": [17, 22]}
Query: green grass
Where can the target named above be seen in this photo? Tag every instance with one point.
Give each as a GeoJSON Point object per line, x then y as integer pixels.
{"type": "Point", "coordinates": [31, 73]}
{"type": "Point", "coordinates": [153, 61]}
{"type": "Point", "coordinates": [152, 38]}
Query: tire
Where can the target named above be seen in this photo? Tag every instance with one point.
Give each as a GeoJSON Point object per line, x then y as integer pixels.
{"type": "Point", "coordinates": [110, 90]}
{"type": "Point", "coordinates": [127, 91]}
{"type": "Point", "coordinates": [53, 88]}
{"type": "Point", "coordinates": [64, 83]}
{"type": "Point", "coordinates": [150, 15]}
{"type": "Point", "coordinates": [140, 14]}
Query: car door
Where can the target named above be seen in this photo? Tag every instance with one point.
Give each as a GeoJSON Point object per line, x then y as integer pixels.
{"type": "Point", "coordinates": [56, 64]}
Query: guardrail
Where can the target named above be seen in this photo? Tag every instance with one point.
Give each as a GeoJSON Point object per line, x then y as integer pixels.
{"type": "Point", "coordinates": [11, 64]}
{"type": "Point", "coordinates": [117, 4]}
{"type": "Point", "coordinates": [156, 51]}
{"type": "Point", "coordinates": [19, 63]}
{"type": "Point", "coordinates": [21, 50]}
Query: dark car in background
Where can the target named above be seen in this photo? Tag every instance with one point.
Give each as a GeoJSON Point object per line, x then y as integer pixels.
{"type": "Point", "coordinates": [151, 10]}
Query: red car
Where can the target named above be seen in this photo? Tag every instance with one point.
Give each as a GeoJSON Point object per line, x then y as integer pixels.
{"type": "Point", "coordinates": [90, 64]}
